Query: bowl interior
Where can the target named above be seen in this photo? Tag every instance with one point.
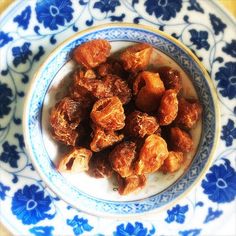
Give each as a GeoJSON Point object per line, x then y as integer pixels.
{"type": "Point", "coordinates": [101, 194]}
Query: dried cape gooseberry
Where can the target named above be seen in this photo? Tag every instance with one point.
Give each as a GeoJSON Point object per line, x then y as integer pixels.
{"type": "Point", "coordinates": [76, 160]}
{"type": "Point", "coordinates": [168, 108]}
{"type": "Point", "coordinates": [136, 57]}
{"type": "Point", "coordinates": [148, 89]}
{"type": "Point", "coordinates": [108, 113]}
{"type": "Point", "coordinates": [103, 139]}
{"type": "Point", "coordinates": [92, 53]}
{"type": "Point", "coordinates": [152, 155]}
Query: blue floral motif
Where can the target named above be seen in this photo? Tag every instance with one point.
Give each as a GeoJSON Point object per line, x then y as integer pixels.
{"type": "Point", "coordinates": [212, 215]}
{"type": "Point", "coordinates": [229, 133]}
{"type": "Point", "coordinates": [217, 24]}
{"type": "Point", "coordinates": [30, 206]}
{"type": "Point", "coordinates": [199, 38]}
{"type": "Point", "coordinates": [21, 54]}
{"type": "Point", "coordinates": [4, 39]}
{"type": "Point", "coordinates": [9, 154]}
{"type": "Point", "coordinates": [107, 5]}
{"type": "Point", "coordinates": [230, 48]}
{"type": "Point", "coordinates": [133, 230]}
{"type": "Point", "coordinates": [5, 98]}
{"type": "Point", "coordinates": [177, 214]}
{"type": "Point", "coordinates": [194, 5]}
{"type": "Point", "coordinates": [79, 225]}
{"type": "Point", "coordinates": [3, 189]}
{"type": "Point", "coordinates": [24, 18]}
{"type": "Point", "coordinates": [54, 12]}
{"type": "Point", "coordinates": [227, 80]}
{"type": "Point", "coordinates": [191, 232]}
{"type": "Point", "coordinates": [220, 183]}
{"type": "Point", "coordinates": [42, 230]}
{"type": "Point", "coordinates": [163, 8]}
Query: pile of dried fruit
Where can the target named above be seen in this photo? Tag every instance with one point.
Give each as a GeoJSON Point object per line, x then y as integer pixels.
{"type": "Point", "coordinates": [121, 118]}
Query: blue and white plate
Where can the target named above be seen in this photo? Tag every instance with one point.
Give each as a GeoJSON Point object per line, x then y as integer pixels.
{"type": "Point", "coordinates": [29, 31]}
{"type": "Point", "coordinates": [81, 190]}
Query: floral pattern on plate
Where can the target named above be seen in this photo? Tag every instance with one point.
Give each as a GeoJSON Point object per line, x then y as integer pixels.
{"type": "Point", "coordinates": [31, 30]}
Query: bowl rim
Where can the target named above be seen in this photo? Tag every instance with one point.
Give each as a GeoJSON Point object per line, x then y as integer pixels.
{"type": "Point", "coordinates": [140, 27]}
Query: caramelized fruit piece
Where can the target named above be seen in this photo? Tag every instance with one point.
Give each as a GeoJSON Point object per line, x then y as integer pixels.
{"type": "Point", "coordinates": [171, 78]}
{"type": "Point", "coordinates": [139, 124]}
{"type": "Point", "coordinates": [173, 162]}
{"type": "Point", "coordinates": [189, 113]}
{"type": "Point", "coordinates": [152, 155]}
{"type": "Point", "coordinates": [92, 53]}
{"type": "Point", "coordinates": [111, 66]}
{"type": "Point", "coordinates": [118, 87]}
{"type": "Point", "coordinates": [103, 139]}
{"type": "Point", "coordinates": [122, 157]}
{"type": "Point", "coordinates": [131, 183]}
{"type": "Point", "coordinates": [99, 165]}
{"type": "Point", "coordinates": [76, 160]}
{"type": "Point", "coordinates": [168, 108]}
{"type": "Point", "coordinates": [180, 140]}
{"type": "Point", "coordinates": [136, 58]}
{"type": "Point", "coordinates": [64, 119]}
{"type": "Point", "coordinates": [108, 113]}
{"type": "Point", "coordinates": [148, 89]}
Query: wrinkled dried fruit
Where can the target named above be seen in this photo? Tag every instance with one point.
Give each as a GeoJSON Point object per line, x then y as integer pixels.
{"type": "Point", "coordinates": [92, 53]}
{"type": "Point", "coordinates": [108, 113]}
{"type": "Point", "coordinates": [171, 78]}
{"type": "Point", "coordinates": [122, 157]}
{"type": "Point", "coordinates": [136, 58]}
{"type": "Point", "coordinates": [173, 162]}
{"type": "Point", "coordinates": [152, 155]}
{"type": "Point", "coordinates": [99, 165]}
{"type": "Point", "coordinates": [90, 86]}
{"type": "Point", "coordinates": [148, 89]}
{"type": "Point", "coordinates": [76, 160]}
{"type": "Point", "coordinates": [112, 66]}
{"type": "Point", "coordinates": [180, 140]}
{"type": "Point", "coordinates": [131, 183]}
{"type": "Point", "coordinates": [139, 124]}
{"type": "Point", "coordinates": [118, 87]}
{"type": "Point", "coordinates": [168, 108]}
{"type": "Point", "coordinates": [103, 139]}
{"type": "Point", "coordinates": [64, 119]}
{"type": "Point", "coordinates": [189, 113]}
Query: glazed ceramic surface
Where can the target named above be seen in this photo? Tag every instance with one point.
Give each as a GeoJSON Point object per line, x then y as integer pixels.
{"type": "Point", "coordinates": [101, 195]}
{"type": "Point", "coordinates": [29, 31]}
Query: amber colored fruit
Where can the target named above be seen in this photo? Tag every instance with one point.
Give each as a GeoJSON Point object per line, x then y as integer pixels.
{"type": "Point", "coordinates": [152, 155]}
{"type": "Point", "coordinates": [76, 160]}
{"type": "Point", "coordinates": [136, 58]}
{"type": "Point", "coordinates": [112, 67]}
{"type": "Point", "coordinates": [99, 165]}
{"type": "Point", "coordinates": [130, 184]}
{"type": "Point", "coordinates": [139, 124]}
{"type": "Point", "coordinates": [180, 140]}
{"type": "Point", "coordinates": [64, 119]}
{"type": "Point", "coordinates": [108, 113]}
{"type": "Point", "coordinates": [92, 53]}
{"type": "Point", "coordinates": [103, 139]}
{"type": "Point", "coordinates": [168, 108]}
{"type": "Point", "coordinates": [173, 162]}
{"type": "Point", "coordinates": [148, 89]}
{"type": "Point", "coordinates": [118, 87]}
{"type": "Point", "coordinates": [189, 113]}
{"type": "Point", "coordinates": [122, 157]}
{"type": "Point", "coordinates": [171, 78]}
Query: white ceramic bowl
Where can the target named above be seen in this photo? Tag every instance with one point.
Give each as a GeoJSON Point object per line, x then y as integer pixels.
{"type": "Point", "coordinates": [99, 196]}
